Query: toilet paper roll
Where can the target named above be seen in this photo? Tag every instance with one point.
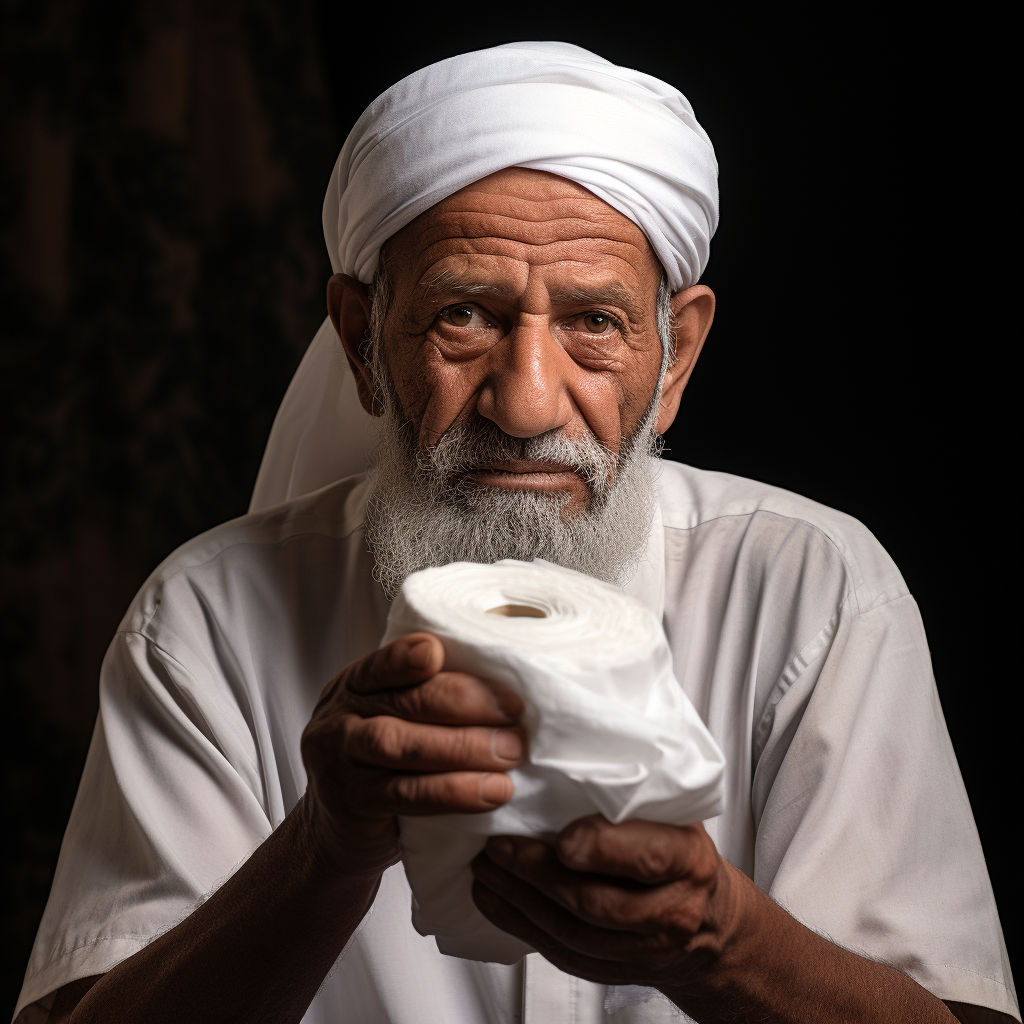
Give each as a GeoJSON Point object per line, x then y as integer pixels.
{"type": "Point", "coordinates": [609, 727]}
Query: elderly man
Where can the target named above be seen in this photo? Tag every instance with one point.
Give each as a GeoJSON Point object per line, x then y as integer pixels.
{"type": "Point", "coordinates": [518, 235]}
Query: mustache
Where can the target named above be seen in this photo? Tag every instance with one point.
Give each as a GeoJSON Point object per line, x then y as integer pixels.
{"type": "Point", "coordinates": [478, 443]}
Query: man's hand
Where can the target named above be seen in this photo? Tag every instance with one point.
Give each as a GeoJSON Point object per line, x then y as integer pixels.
{"type": "Point", "coordinates": [631, 904]}
{"type": "Point", "coordinates": [394, 734]}
{"type": "Point", "coordinates": [647, 904]}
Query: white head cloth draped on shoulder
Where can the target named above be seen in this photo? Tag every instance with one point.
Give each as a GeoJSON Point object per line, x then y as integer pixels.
{"type": "Point", "coordinates": [629, 138]}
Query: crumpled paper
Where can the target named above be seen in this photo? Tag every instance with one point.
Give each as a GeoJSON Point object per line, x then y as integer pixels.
{"type": "Point", "coordinates": [609, 728]}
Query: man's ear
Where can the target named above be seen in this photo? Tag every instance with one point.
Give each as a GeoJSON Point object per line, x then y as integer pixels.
{"type": "Point", "coordinates": [693, 309]}
{"type": "Point", "coordinates": [348, 303]}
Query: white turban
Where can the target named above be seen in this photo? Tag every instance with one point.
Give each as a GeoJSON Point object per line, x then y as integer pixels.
{"type": "Point", "coordinates": [627, 137]}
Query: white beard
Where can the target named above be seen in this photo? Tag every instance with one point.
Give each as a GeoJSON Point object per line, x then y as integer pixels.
{"type": "Point", "coordinates": [423, 511]}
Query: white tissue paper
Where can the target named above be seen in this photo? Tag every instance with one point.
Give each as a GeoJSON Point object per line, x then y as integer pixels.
{"type": "Point", "coordinates": [609, 727]}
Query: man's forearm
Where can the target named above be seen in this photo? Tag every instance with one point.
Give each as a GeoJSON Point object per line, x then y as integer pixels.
{"type": "Point", "coordinates": [256, 950]}
{"type": "Point", "coordinates": [776, 969]}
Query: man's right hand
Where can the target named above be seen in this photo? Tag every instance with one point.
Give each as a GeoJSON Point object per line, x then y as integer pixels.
{"type": "Point", "coordinates": [395, 734]}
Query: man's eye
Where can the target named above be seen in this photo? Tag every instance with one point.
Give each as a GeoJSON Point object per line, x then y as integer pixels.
{"type": "Point", "coordinates": [598, 323]}
{"type": "Point", "coordinates": [462, 316]}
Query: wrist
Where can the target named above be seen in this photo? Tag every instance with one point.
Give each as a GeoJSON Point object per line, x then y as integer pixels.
{"type": "Point", "coordinates": [345, 852]}
{"type": "Point", "coordinates": [722, 952]}
{"type": "Point", "coordinates": [761, 963]}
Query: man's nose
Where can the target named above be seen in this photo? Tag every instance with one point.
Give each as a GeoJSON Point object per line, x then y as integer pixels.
{"type": "Point", "coordinates": [526, 391]}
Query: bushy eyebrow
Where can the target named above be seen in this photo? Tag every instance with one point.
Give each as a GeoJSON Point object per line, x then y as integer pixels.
{"type": "Point", "coordinates": [613, 293]}
{"type": "Point", "coordinates": [601, 295]}
{"type": "Point", "coordinates": [445, 280]}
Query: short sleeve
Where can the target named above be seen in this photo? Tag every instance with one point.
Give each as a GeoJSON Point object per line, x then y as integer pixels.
{"type": "Point", "coordinates": [170, 804]}
{"type": "Point", "coordinates": [864, 829]}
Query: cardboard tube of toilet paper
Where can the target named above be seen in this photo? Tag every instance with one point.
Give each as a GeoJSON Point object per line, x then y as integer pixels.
{"type": "Point", "coordinates": [609, 728]}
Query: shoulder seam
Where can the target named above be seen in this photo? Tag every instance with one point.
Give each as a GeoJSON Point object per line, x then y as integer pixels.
{"type": "Point", "coordinates": [170, 657]}
{"type": "Point", "coordinates": [850, 574]}
{"type": "Point", "coordinates": [163, 580]}
{"type": "Point", "coordinates": [790, 673]}
{"type": "Point", "coordinates": [796, 665]}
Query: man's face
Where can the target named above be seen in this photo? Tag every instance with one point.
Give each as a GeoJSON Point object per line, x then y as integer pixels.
{"type": "Point", "coordinates": [528, 302]}
{"type": "Point", "coordinates": [516, 372]}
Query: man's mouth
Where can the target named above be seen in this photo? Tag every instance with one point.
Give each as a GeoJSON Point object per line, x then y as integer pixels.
{"type": "Point", "coordinates": [526, 474]}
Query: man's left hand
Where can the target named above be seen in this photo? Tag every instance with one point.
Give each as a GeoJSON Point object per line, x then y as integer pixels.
{"type": "Point", "coordinates": [648, 904]}
{"type": "Point", "coordinates": [638, 903]}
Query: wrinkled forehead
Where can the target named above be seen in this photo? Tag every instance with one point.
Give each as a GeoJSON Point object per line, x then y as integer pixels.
{"type": "Point", "coordinates": [520, 222]}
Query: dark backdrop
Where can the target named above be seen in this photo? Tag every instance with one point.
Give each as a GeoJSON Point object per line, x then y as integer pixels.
{"type": "Point", "coordinates": [162, 171]}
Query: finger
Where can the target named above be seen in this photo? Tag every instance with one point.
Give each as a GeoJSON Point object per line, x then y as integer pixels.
{"type": "Point", "coordinates": [446, 793]}
{"type": "Point", "coordinates": [389, 742]}
{"type": "Point", "coordinates": [597, 899]}
{"type": "Point", "coordinates": [378, 794]}
{"type": "Point", "coordinates": [504, 915]}
{"type": "Point", "coordinates": [410, 659]}
{"type": "Point", "coordinates": [646, 851]}
{"type": "Point", "coordinates": [565, 930]}
{"type": "Point", "coordinates": [449, 698]}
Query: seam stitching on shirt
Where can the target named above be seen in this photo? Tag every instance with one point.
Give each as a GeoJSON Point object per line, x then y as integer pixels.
{"type": "Point", "coordinates": [63, 955]}
{"type": "Point", "coordinates": [789, 675]}
{"type": "Point", "coordinates": [170, 657]}
{"type": "Point", "coordinates": [235, 544]}
{"type": "Point", "coordinates": [851, 575]}
{"type": "Point", "coordinates": [964, 970]}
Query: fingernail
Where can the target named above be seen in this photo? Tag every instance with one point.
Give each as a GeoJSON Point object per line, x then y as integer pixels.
{"type": "Point", "coordinates": [495, 788]}
{"type": "Point", "coordinates": [507, 745]}
{"type": "Point", "coordinates": [500, 849]}
{"type": "Point", "coordinates": [419, 654]}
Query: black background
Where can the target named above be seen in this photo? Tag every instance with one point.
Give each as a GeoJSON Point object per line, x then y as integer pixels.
{"type": "Point", "coordinates": [859, 354]}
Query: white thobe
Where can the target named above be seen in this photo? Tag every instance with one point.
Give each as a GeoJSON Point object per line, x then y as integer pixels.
{"type": "Point", "coordinates": [792, 633]}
